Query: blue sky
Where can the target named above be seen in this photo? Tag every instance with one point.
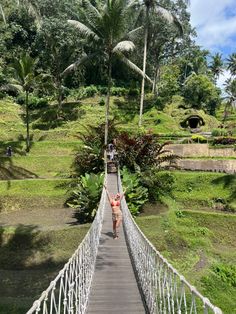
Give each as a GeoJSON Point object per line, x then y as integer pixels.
{"type": "Point", "coordinates": [215, 22]}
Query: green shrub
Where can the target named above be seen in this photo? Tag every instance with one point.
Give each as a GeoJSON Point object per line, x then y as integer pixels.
{"type": "Point", "coordinates": [227, 273]}
{"type": "Point", "coordinates": [136, 195]}
{"type": "Point", "coordinates": [102, 101]}
{"type": "Point", "coordinates": [219, 132]}
{"type": "Point", "coordinates": [142, 151]}
{"type": "Point", "coordinates": [119, 91]}
{"type": "Point", "coordinates": [102, 90]}
{"type": "Point", "coordinates": [158, 183]}
{"type": "Point", "coordinates": [179, 214]}
{"type": "Point", "coordinates": [84, 92]}
{"type": "Point", "coordinates": [90, 157]}
{"type": "Point", "coordinates": [198, 139]}
{"type": "Point", "coordinates": [224, 141]}
{"type": "Point", "coordinates": [85, 196]}
{"type": "Point", "coordinates": [133, 92]}
{"type": "Point", "coordinates": [2, 95]}
{"type": "Point", "coordinates": [34, 102]}
{"type": "Point", "coordinates": [90, 91]}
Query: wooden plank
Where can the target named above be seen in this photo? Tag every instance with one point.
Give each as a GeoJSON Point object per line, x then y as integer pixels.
{"type": "Point", "coordinates": [114, 288]}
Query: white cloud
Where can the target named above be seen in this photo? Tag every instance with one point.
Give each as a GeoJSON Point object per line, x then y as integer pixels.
{"type": "Point", "coordinates": [215, 22]}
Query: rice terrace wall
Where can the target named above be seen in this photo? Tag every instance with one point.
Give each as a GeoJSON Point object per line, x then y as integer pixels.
{"type": "Point", "coordinates": [227, 166]}
{"type": "Point", "coordinates": [202, 150]}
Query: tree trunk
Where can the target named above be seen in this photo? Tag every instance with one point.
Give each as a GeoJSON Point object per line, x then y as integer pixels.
{"type": "Point", "coordinates": [27, 121]}
{"type": "Point", "coordinates": [156, 78]}
{"type": "Point", "coordinates": [3, 15]}
{"type": "Point", "coordinates": [59, 95]}
{"type": "Point", "coordinates": [144, 67]}
{"type": "Point", "coordinates": [108, 102]}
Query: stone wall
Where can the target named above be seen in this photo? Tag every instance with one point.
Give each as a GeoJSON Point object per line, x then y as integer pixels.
{"type": "Point", "coordinates": [227, 166]}
{"type": "Point", "coordinates": [200, 150]}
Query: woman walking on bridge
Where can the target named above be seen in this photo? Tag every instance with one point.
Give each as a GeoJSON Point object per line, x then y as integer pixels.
{"type": "Point", "coordinates": [116, 211]}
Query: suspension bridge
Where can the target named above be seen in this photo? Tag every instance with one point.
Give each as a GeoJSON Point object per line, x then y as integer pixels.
{"type": "Point", "coordinates": [127, 275]}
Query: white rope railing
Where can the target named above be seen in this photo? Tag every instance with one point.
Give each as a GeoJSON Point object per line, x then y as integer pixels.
{"type": "Point", "coordinates": [165, 291]}
{"type": "Point", "coordinates": [69, 291]}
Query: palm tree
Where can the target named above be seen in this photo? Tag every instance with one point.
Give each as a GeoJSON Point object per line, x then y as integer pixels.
{"type": "Point", "coordinates": [24, 81]}
{"type": "Point", "coordinates": [216, 65]}
{"type": "Point", "coordinates": [231, 64]}
{"type": "Point", "coordinates": [106, 27]}
{"type": "Point", "coordinates": [230, 88]}
{"type": "Point", "coordinates": [155, 7]}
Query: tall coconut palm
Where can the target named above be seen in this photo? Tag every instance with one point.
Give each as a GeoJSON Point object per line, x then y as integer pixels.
{"type": "Point", "coordinates": [152, 6]}
{"type": "Point", "coordinates": [24, 81]}
{"type": "Point", "coordinates": [231, 64]}
{"type": "Point", "coordinates": [230, 99]}
{"type": "Point", "coordinates": [216, 65]}
{"type": "Point", "coordinates": [106, 27]}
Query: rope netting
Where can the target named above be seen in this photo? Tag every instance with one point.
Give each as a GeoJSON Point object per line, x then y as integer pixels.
{"type": "Point", "coordinates": [165, 291]}
{"type": "Point", "coordinates": [69, 291]}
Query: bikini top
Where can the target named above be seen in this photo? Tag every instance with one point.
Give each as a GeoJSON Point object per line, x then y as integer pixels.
{"type": "Point", "coordinates": [115, 203]}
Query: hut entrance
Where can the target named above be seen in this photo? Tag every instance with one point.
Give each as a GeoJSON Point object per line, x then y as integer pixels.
{"type": "Point", "coordinates": [192, 122]}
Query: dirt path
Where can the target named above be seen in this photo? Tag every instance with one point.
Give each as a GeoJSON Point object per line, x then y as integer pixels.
{"type": "Point", "coordinates": [44, 219]}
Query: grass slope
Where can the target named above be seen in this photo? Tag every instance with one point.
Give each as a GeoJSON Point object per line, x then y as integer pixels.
{"type": "Point", "coordinates": [199, 190]}
{"type": "Point", "coordinates": [16, 195]}
{"type": "Point", "coordinates": [200, 244]}
{"type": "Point", "coordinates": [29, 260]}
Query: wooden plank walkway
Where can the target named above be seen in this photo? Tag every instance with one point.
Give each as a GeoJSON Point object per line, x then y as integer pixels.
{"type": "Point", "coordinates": [114, 289]}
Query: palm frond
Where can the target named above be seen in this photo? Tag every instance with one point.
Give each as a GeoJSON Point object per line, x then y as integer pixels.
{"type": "Point", "coordinates": [83, 29]}
{"type": "Point", "coordinates": [132, 34]}
{"type": "Point", "coordinates": [132, 7]}
{"type": "Point", "coordinates": [91, 11]}
{"type": "Point", "coordinates": [79, 63]}
{"type": "Point", "coordinates": [132, 66]}
{"type": "Point", "coordinates": [132, 4]}
{"type": "Point", "coordinates": [19, 71]}
{"type": "Point", "coordinates": [10, 87]}
{"type": "Point", "coordinates": [124, 46]}
{"type": "Point", "coordinates": [28, 64]}
{"type": "Point", "coordinates": [170, 18]}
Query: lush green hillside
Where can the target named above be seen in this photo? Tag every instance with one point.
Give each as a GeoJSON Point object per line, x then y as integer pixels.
{"type": "Point", "coordinates": [195, 236]}
{"type": "Point", "coordinates": [89, 111]}
{"type": "Point", "coordinates": [32, 208]}
{"type": "Point", "coordinates": [199, 190]}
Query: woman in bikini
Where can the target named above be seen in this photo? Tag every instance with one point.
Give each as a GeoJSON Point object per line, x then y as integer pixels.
{"type": "Point", "coordinates": [116, 211]}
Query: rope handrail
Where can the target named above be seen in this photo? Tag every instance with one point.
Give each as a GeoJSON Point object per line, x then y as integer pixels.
{"type": "Point", "coordinates": [69, 291]}
{"type": "Point", "coordinates": [165, 291]}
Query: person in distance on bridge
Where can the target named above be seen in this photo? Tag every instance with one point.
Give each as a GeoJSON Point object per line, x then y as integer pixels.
{"type": "Point", "coordinates": [116, 211]}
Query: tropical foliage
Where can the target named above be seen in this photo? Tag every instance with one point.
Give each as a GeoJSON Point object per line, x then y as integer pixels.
{"type": "Point", "coordinates": [24, 81]}
{"type": "Point", "coordinates": [90, 157]}
{"type": "Point", "coordinates": [85, 196]}
{"type": "Point", "coordinates": [108, 29]}
{"type": "Point", "coordinates": [201, 93]}
{"type": "Point", "coordinates": [135, 193]}
{"type": "Point", "coordinates": [142, 151]}
{"type": "Point", "coordinates": [158, 183]}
